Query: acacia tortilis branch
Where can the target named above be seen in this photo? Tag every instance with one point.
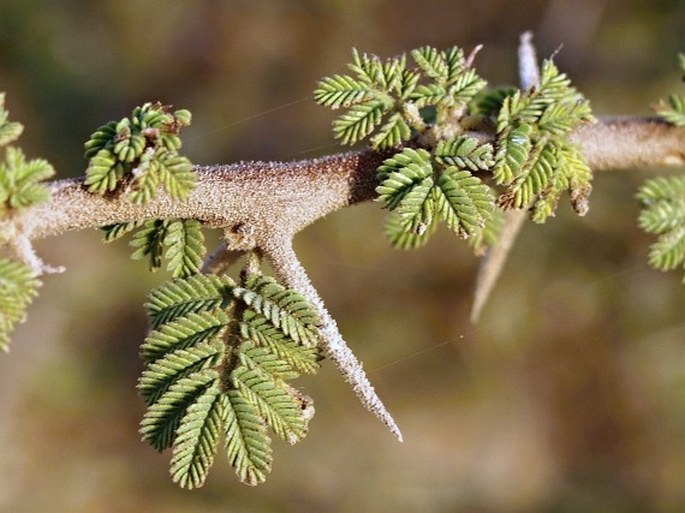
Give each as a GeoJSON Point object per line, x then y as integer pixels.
{"type": "Point", "coordinates": [259, 203]}
{"type": "Point", "coordinates": [256, 200]}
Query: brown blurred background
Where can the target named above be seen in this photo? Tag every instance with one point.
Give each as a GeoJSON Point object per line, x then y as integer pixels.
{"type": "Point", "coordinates": [569, 396]}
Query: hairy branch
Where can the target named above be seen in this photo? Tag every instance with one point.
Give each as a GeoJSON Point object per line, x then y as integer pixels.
{"type": "Point", "coordinates": [257, 200]}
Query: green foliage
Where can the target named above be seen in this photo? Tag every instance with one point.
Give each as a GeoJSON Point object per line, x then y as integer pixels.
{"type": "Point", "coordinates": [663, 213]}
{"type": "Point", "coordinates": [18, 287]}
{"type": "Point", "coordinates": [217, 364]}
{"type": "Point", "coordinates": [141, 152]}
{"type": "Point", "coordinates": [419, 190]}
{"type": "Point", "coordinates": [673, 110]}
{"type": "Point", "coordinates": [385, 96]}
{"type": "Point", "coordinates": [534, 160]}
{"type": "Point", "coordinates": [180, 241]}
{"type": "Point", "coordinates": [20, 185]}
{"type": "Point", "coordinates": [20, 179]}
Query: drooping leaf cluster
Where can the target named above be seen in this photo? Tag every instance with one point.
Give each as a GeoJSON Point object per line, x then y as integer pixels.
{"type": "Point", "coordinates": [534, 160]}
{"type": "Point", "coordinates": [18, 287]}
{"type": "Point", "coordinates": [142, 152]}
{"type": "Point", "coordinates": [180, 241]}
{"type": "Point", "coordinates": [218, 362]}
{"type": "Point", "coordinates": [420, 189]}
{"type": "Point", "coordinates": [673, 110]}
{"type": "Point", "coordinates": [391, 101]}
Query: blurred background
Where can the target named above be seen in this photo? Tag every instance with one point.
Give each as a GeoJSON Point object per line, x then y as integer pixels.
{"type": "Point", "coordinates": [568, 396]}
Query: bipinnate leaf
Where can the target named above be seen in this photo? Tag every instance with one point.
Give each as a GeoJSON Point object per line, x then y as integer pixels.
{"type": "Point", "coordinates": [383, 97]}
{"type": "Point", "coordinates": [142, 148]}
{"type": "Point", "coordinates": [217, 364]}
{"type": "Point", "coordinates": [533, 158]}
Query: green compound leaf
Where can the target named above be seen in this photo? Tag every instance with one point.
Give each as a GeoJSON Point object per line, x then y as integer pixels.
{"type": "Point", "coordinates": [533, 158]}
{"type": "Point", "coordinates": [163, 418]}
{"type": "Point", "coordinates": [463, 201]}
{"type": "Point", "coordinates": [360, 121]}
{"type": "Point", "coordinates": [432, 62]}
{"type": "Point", "coordinates": [663, 213]}
{"type": "Point", "coordinates": [465, 152]}
{"type": "Point", "coordinates": [400, 174]}
{"type": "Point", "coordinates": [104, 172]}
{"type": "Point", "coordinates": [18, 287]}
{"type": "Point", "coordinates": [20, 179]}
{"type": "Point", "coordinates": [185, 247]}
{"type": "Point", "coordinates": [285, 309]}
{"type": "Point", "coordinates": [185, 331]}
{"type": "Point", "coordinates": [272, 398]}
{"type": "Point", "coordinates": [418, 207]}
{"type": "Point", "coordinates": [149, 242]}
{"type": "Point", "coordinates": [179, 363]}
{"type": "Point", "coordinates": [340, 91]}
{"type": "Point", "coordinates": [257, 328]}
{"type": "Point", "coordinates": [142, 151]}
{"type": "Point", "coordinates": [573, 174]}
{"type": "Point", "coordinates": [181, 297]}
{"type": "Point", "coordinates": [197, 438]}
{"type": "Point", "coordinates": [534, 177]}
{"type": "Point", "coordinates": [179, 240]}
{"type": "Point", "coordinates": [217, 363]}
{"type": "Point", "coordinates": [513, 149]}
{"type": "Point", "coordinates": [248, 445]}
{"type": "Point", "coordinates": [395, 131]}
